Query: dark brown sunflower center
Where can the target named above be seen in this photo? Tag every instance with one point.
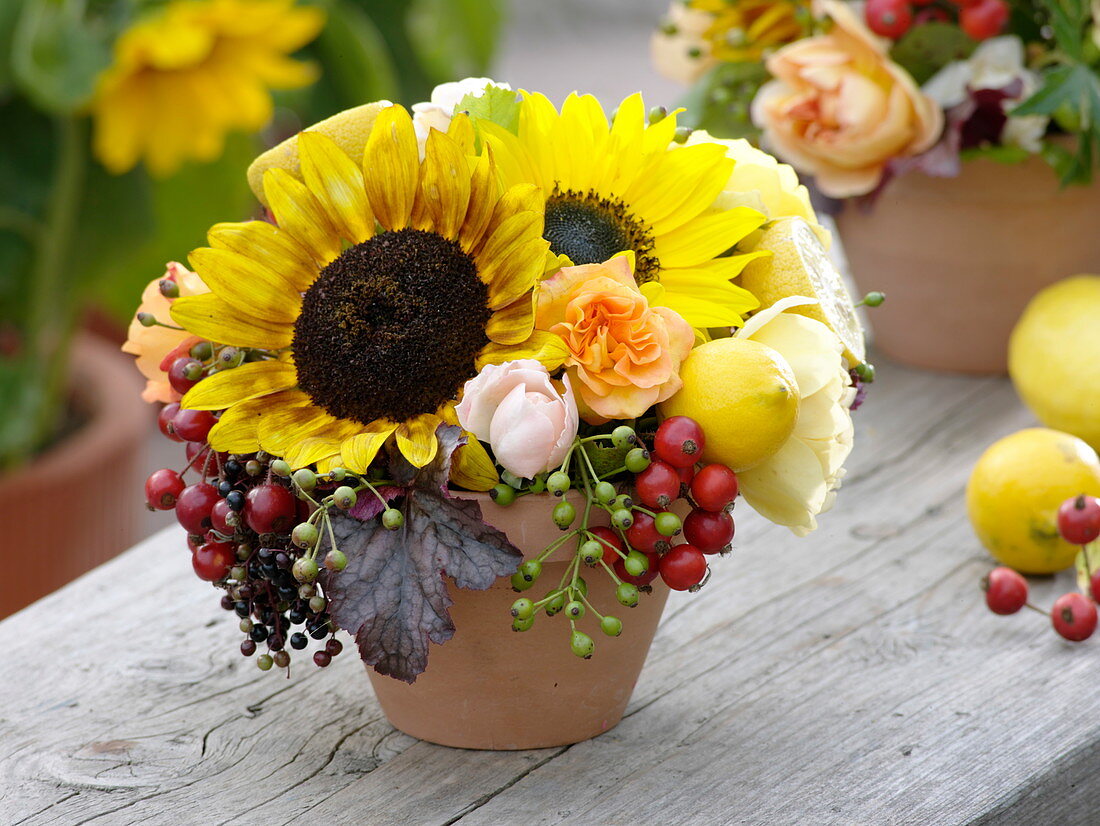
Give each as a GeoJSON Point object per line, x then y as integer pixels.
{"type": "Point", "coordinates": [390, 329]}
{"type": "Point", "coordinates": [590, 229]}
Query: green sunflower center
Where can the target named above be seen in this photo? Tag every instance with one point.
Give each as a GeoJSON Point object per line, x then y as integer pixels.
{"type": "Point", "coordinates": [390, 329]}
{"type": "Point", "coordinates": [590, 229]}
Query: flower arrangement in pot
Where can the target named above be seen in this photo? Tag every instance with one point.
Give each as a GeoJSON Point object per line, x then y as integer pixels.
{"type": "Point", "coordinates": [935, 126]}
{"type": "Point", "coordinates": [485, 387]}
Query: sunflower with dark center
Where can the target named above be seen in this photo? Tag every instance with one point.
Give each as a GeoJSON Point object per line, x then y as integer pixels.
{"type": "Point", "coordinates": [380, 290]}
{"type": "Point", "coordinates": [626, 185]}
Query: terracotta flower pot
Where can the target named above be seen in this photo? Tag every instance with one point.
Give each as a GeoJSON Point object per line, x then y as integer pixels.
{"type": "Point", "coordinates": [75, 505]}
{"type": "Point", "coordinates": [492, 688]}
{"type": "Point", "coordinates": [959, 258]}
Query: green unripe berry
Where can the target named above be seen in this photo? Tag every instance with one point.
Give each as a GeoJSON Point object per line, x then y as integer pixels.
{"type": "Point", "coordinates": [558, 483]}
{"type": "Point", "coordinates": [253, 468]}
{"type": "Point", "coordinates": [305, 569]}
{"type": "Point", "coordinates": [521, 584]}
{"type": "Point", "coordinates": [336, 560]}
{"type": "Point", "coordinates": [621, 501]}
{"type": "Point", "coordinates": [582, 586]}
{"type": "Point", "coordinates": [605, 492]}
{"type": "Point", "coordinates": [337, 474]}
{"type": "Point", "coordinates": [264, 662]}
{"type": "Point", "coordinates": [305, 479]}
{"type": "Point", "coordinates": [147, 319]}
{"type": "Point", "coordinates": [523, 608]}
{"type": "Point", "coordinates": [637, 460]}
{"type": "Point", "coordinates": [538, 484]}
{"type": "Point", "coordinates": [305, 535]}
{"type": "Point", "coordinates": [201, 351]}
{"type": "Point", "coordinates": [874, 299]}
{"type": "Point", "coordinates": [591, 552]}
{"type": "Point", "coordinates": [280, 467]}
{"type": "Point", "coordinates": [582, 644]}
{"type": "Point", "coordinates": [523, 624]}
{"type": "Point", "coordinates": [531, 570]}
{"type": "Point", "coordinates": [866, 372]}
{"type": "Point", "coordinates": [667, 523]}
{"type": "Point", "coordinates": [306, 591]}
{"type": "Point", "coordinates": [555, 605]}
{"type": "Point", "coordinates": [344, 497]}
{"type": "Point", "coordinates": [193, 371]}
{"type": "Point", "coordinates": [228, 358]}
{"type": "Point", "coordinates": [623, 436]}
{"type": "Point", "coordinates": [627, 594]}
{"type": "Point", "coordinates": [622, 519]}
{"type": "Point", "coordinates": [238, 573]}
{"type": "Point", "coordinates": [612, 626]}
{"type": "Point", "coordinates": [681, 134]}
{"type": "Point", "coordinates": [245, 625]}
{"type": "Point", "coordinates": [574, 609]}
{"type": "Point", "coordinates": [504, 495]}
{"type": "Point", "coordinates": [317, 603]}
{"type": "Point", "coordinates": [657, 114]}
{"type": "Point", "coordinates": [636, 563]}
{"type": "Point", "coordinates": [564, 514]}
{"type": "Point", "coordinates": [510, 479]}
{"type": "Point", "coordinates": [392, 519]}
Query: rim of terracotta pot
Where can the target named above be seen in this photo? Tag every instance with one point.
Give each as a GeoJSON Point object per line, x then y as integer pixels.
{"type": "Point", "coordinates": [107, 389]}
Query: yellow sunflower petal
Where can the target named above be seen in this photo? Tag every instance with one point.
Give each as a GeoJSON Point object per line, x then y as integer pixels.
{"type": "Point", "coordinates": [514, 160]}
{"type": "Point", "coordinates": [699, 312]}
{"type": "Point", "coordinates": [270, 246]}
{"type": "Point", "coordinates": [313, 449]}
{"type": "Point", "coordinates": [677, 186]}
{"type": "Point", "coordinates": [208, 316]}
{"type": "Point", "coordinates": [391, 167]}
{"type": "Point", "coordinates": [337, 182]}
{"type": "Point", "coordinates": [705, 286]}
{"type": "Point", "coordinates": [472, 468]}
{"type": "Point", "coordinates": [547, 348]}
{"type": "Point", "coordinates": [483, 195]}
{"type": "Point", "coordinates": [705, 237]}
{"type": "Point", "coordinates": [461, 131]}
{"type": "Point", "coordinates": [659, 135]}
{"type": "Point", "coordinates": [235, 431]}
{"type": "Point", "coordinates": [416, 439]}
{"type": "Point", "coordinates": [513, 324]}
{"type": "Point", "coordinates": [257, 378]}
{"type": "Point", "coordinates": [513, 258]}
{"type": "Point", "coordinates": [444, 184]}
{"type": "Point", "coordinates": [291, 417]}
{"type": "Point", "coordinates": [359, 450]}
{"type": "Point", "coordinates": [299, 213]}
{"type": "Point", "coordinates": [246, 284]}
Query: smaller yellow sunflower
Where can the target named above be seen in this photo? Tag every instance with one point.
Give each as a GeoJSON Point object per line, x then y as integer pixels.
{"type": "Point", "coordinates": [379, 292]}
{"type": "Point", "coordinates": [745, 30]}
{"type": "Point", "coordinates": [185, 76]}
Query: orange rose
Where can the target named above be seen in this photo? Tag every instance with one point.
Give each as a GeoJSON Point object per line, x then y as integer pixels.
{"type": "Point", "coordinates": [840, 109]}
{"type": "Point", "coordinates": [624, 356]}
{"type": "Point", "coordinates": [152, 344]}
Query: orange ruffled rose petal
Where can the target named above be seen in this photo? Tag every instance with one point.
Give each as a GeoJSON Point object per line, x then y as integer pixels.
{"type": "Point", "coordinates": [624, 356]}
{"type": "Point", "coordinates": [152, 344]}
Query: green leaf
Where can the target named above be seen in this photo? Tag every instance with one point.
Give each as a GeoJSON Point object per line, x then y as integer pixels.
{"type": "Point", "coordinates": [9, 16]}
{"type": "Point", "coordinates": [355, 57]}
{"type": "Point", "coordinates": [454, 38]}
{"type": "Point", "coordinates": [927, 48]}
{"type": "Point", "coordinates": [1000, 153]}
{"type": "Point", "coordinates": [500, 106]}
{"type": "Point", "coordinates": [57, 54]}
{"type": "Point", "coordinates": [719, 100]}
{"type": "Point", "coordinates": [393, 594]}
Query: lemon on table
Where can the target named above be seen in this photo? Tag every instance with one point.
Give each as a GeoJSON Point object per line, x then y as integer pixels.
{"type": "Point", "coordinates": [744, 396]}
{"type": "Point", "coordinates": [1015, 490]}
{"type": "Point", "coordinates": [799, 265]}
{"type": "Point", "coordinates": [1054, 357]}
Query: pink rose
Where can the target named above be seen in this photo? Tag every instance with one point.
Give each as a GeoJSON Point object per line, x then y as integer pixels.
{"type": "Point", "coordinates": [516, 408]}
{"type": "Point", "coordinates": [624, 355]}
{"type": "Point", "coordinates": [840, 109]}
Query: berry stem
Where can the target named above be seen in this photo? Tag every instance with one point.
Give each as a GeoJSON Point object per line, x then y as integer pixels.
{"type": "Point", "coordinates": [1036, 609]}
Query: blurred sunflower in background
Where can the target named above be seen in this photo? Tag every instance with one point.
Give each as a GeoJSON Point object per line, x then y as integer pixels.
{"type": "Point", "coordinates": [382, 290]}
{"type": "Point", "coordinates": [742, 30]}
{"type": "Point", "coordinates": [185, 76]}
{"type": "Point", "coordinates": [629, 185]}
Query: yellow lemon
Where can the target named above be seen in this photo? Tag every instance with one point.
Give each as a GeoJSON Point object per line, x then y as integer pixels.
{"type": "Point", "coordinates": [1054, 357]}
{"type": "Point", "coordinates": [1015, 490]}
{"type": "Point", "coordinates": [799, 265]}
{"type": "Point", "coordinates": [744, 396]}
{"type": "Point", "coordinates": [349, 129]}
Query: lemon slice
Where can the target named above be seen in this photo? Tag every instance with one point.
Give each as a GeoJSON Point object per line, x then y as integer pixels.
{"type": "Point", "coordinates": [349, 129]}
{"type": "Point", "coordinates": [799, 265]}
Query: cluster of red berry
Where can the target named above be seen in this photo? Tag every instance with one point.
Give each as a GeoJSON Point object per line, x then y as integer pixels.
{"type": "Point", "coordinates": [1074, 615]}
{"type": "Point", "coordinates": [979, 19]}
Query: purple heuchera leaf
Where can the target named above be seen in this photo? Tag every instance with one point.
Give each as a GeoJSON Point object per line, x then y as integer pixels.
{"type": "Point", "coordinates": [393, 594]}
{"type": "Point", "coordinates": [369, 505]}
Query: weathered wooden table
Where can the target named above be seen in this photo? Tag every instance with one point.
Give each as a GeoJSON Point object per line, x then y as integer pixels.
{"type": "Point", "coordinates": [853, 677]}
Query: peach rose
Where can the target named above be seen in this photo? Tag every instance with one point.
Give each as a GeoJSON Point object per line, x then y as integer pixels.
{"type": "Point", "coordinates": [152, 344]}
{"type": "Point", "coordinates": [840, 109]}
{"type": "Point", "coordinates": [516, 408]}
{"type": "Point", "coordinates": [624, 356]}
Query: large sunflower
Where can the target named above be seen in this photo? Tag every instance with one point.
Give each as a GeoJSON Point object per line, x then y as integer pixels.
{"type": "Point", "coordinates": [379, 291]}
{"type": "Point", "coordinates": [627, 185]}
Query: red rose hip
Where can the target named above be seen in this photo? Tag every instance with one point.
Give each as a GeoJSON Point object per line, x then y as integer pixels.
{"type": "Point", "coordinates": [683, 567]}
{"type": "Point", "coordinates": [213, 560]}
{"type": "Point", "coordinates": [1005, 591]}
{"type": "Point", "coordinates": [679, 441]}
{"type": "Point", "coordinates": [714, 487]}
{"type": "Point", "coordinates": [163, 488]}
{"type": "Point", "coordinates": [708, 531]}
{"type": "Point", "coordinates": [194, 505]}
{"type": "Point", "coordinates": [658, 486]}
{"type": "Point", "coordinates": [1079, 520]}
{"type": "Point", "coordinates": [270, 509]}
{"type": "Point", "coordinates": [1074, 616]}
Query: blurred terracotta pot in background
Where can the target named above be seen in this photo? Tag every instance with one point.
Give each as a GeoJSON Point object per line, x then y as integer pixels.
{"type": "Point", "coordinates": [77, 504]}
{"type": "Point", "coordinates": [959, 258]}
{"type": "Point", "coordinates": [490, 687]}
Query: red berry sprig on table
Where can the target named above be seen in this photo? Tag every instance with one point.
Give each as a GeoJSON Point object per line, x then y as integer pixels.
{"type": "Point", "coordinates": [1074, 615]}
{"type": "Point", "coordinates": [979, 19]}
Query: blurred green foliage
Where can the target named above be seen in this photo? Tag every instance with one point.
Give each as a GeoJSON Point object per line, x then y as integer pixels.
{"type": "Point", "coordinates": [71, 234]}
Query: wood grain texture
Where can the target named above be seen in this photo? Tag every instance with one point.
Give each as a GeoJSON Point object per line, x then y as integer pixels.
{"type": "Point", "coordinates": [853, 677]}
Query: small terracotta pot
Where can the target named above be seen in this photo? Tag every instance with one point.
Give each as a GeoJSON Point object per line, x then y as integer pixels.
{"type": "Point", "coordinates": [492, 688]}
{"type": "Point", "coordinates": [75, 506]}
{"type": "Point", "coordinates": [959, 258]}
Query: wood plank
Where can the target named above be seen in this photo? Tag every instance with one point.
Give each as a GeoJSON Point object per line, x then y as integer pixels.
{"type": "Point", "coordinates": [851, 677]}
